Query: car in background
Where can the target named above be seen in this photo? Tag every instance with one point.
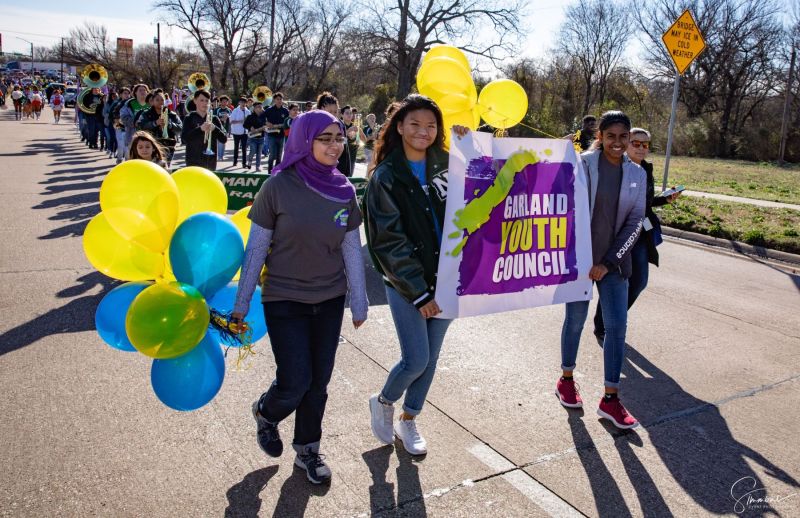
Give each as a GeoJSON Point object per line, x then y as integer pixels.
{"type": "Point", "coordinates": [52, 87]}
{"type": "Point", "coordinates": [70, 96]}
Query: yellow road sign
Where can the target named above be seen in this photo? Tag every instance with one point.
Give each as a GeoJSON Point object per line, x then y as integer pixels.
{"type": "Point", "coordinates": [684, 41]}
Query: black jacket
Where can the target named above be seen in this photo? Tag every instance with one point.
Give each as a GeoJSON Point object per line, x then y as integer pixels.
{"type": "Point", "coordinates": [651, 201]}
{"type": "Point", "coordinates": [400, 226]}
{"type": "Point", "coordinates": [148, 121]}
{"type": "Point", "coordinates": [194, 138]}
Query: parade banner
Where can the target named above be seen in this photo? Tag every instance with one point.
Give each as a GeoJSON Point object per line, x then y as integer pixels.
{"type": "Point", "coordinates": [517, 226]}
{"type": "Point", "coordinates": [243, 187]}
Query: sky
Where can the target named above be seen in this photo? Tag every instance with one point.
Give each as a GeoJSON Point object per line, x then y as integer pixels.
{"type": "Point", "coordinates": [52, 19]}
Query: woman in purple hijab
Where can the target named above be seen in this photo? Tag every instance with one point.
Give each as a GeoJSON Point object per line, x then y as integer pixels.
{"type": "Point", "coordinates": [305, 222]}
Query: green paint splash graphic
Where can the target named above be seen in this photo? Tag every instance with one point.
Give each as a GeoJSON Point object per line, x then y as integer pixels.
{"type": "Point", "coordinates": [477, 212]}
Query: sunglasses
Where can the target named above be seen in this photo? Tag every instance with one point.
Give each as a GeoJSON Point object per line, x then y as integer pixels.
{"type": "Point", "coordinates": [640, 143]}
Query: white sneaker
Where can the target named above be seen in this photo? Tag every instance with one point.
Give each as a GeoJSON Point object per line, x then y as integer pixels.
{"type": "Point", "coordinates": [382, 417]}
{"type": "Point", "coordinates": [406, 431]}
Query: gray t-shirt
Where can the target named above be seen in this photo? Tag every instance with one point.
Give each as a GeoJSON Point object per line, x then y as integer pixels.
{"type": "Point", "coordinates": [305, 261]}
{"type": "Point", "coordinates": [604, 216]}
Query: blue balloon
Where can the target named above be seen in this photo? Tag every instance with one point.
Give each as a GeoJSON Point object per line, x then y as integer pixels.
{"type": "Point", "coordinates": [109, 318]}
{"type": "Point", "coordinates": [205, 252]}
{"type": "Point", "coordinates": [192, 380]}
{"type": "Point", "coordinates": [224, 300]}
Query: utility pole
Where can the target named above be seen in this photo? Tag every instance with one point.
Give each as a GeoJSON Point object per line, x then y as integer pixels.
{"type": "Point", "coordinates": [270, 67]}
{"type": "Point", "coordinates": [31, 60]}
{"type": "Point", "coordinates": [62, 60]}
{"type": "Point", "coordinates": [786, 103]}
{"type": "Point", "coordinates": [158, 41]}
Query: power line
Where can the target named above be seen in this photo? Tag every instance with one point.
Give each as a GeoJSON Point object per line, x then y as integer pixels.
{"type": "Point", "coordinates": [32, 34]}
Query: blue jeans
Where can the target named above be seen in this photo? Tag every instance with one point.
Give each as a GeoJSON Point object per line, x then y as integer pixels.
{"type": "Point", "coordinates": [220, 150]}
{"type": "Point", "coordinates": [636, 284]}
{"type": "Point", "coordinates": [111, 139]}
{"type": "Point", "coordinates": [420, 342]}
{"type": "Point", "coordinates": [275, 150]}
{"type": "Point", "coordinates": [304, 339]}
{"type": "Point", "coordinates": [122, 149]}
{"type": "Point", "coordinates": [613, 290]}
{"type": "Point", "coordinates": [255, 149]}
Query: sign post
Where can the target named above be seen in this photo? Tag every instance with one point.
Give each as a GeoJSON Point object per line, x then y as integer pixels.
{"type": "Point", "coordinates": [684, 43]}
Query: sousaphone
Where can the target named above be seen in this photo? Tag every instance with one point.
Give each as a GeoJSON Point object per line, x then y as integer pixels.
{"type": "Point", "coordinates": [263, 95]}
{"type": "Point", "coordinates": [94, 76]}
{"type": "Point", "coordinates": [87, 102]}
{"type": "Point", "coordinates": [197, 81]}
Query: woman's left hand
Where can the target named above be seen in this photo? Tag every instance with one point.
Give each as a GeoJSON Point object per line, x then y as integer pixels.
{"type": "Point", "coordinates": [460, 131]}
{"type": "Point", "coordinates": [358, 323]}
{"type": "Point", "coordinates": [673, 197]}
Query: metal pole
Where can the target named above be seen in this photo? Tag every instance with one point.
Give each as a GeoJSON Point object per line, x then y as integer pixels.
{"type": "Point", "coordinates": [270, 68]}
{"type": "Point", "coordinates": [671, 128]}
{"type": "Point", "coordinates": [158, 35]}
{"type": "Point", "coordinates": [31, 60]}
{"type": "Point", "coordinates": [62, 60]}
{"type": "Point", "coordinates": [786, 103]}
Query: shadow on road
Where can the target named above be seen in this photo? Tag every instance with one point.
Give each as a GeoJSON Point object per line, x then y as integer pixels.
{"type": "Point", "coordinates": [243, 498]}
{"type": "Point", "coordinates": [295, 494]}
{"type": "Point", "coordinates": [692, 439]}
{"type": "Point", "coordinates": [75, 316]}
{"type": "Point", "coordinates": [382, 500]}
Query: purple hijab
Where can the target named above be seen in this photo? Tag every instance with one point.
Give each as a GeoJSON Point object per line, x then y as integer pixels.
{"type": "Point", "coordinates": [324, 180]}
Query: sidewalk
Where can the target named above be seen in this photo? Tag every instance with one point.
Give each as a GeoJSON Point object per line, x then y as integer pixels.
{"type": "Point", "coordinates": [740, 199]}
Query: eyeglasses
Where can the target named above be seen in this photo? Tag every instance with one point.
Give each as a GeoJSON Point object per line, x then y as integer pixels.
{"type": "Point", "coordinates": [329, 141]}
{"type": "Point", "coordinates": [642, 143]}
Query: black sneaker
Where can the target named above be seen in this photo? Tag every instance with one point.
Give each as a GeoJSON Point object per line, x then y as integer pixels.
{"type": "Point", "coordinates": [267, 434]}
{"type": "Point", "coordinates": [317, 471]}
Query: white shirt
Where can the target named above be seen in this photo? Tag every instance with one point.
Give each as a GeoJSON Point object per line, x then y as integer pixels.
{"type": "Point", "coordinates": [238, 115]}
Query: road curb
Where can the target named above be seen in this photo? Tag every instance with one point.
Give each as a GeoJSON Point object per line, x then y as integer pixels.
{"type": "Point", "coordinates": [733, 246]}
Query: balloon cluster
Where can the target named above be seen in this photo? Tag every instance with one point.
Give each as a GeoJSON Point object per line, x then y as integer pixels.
{"type": "Point", "coordinates": [446, 77]}
{"type": "Point", "coordinates": [169, 237]}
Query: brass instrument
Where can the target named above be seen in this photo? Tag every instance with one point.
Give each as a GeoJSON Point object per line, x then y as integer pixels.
{"type": "Point", "coordinates": [256, 132]}
{"type": "Point", "coordinates": [87, 102]}
{"type": "Point", "coordinates": [210, 134]}
{"type": "Point", "coordinates": [263, 95]}
{"type": "Point", "coordinates": [165, 118]}
{"type": "Point", "coordinates": [199, 81]}
{"type": "Point", "coordinates": [94, 76]}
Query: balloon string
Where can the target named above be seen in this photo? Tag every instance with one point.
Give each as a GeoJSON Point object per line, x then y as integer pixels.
{"type": "Point", "coordinates": [523, 124]}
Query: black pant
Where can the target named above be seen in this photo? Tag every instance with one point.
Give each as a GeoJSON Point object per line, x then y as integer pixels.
{"type": "Point", "coordinates": [240, 140]}
{"type": "Point", "coordinates": [304, 339]}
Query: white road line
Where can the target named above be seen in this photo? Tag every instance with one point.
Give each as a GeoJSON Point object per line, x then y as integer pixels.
{"type": "Point", "coordinates": [548, 501]}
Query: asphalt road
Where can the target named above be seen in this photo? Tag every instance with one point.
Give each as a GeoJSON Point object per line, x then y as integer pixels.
{"type": "Point", "coordinates": [712, 372]}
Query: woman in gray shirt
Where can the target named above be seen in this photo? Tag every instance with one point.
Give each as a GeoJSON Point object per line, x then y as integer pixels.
{"type": "Point", "coordinates": [305, 231]}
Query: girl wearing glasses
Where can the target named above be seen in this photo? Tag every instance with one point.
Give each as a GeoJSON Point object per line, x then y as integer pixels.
{"type": "Point", "coordinates": [405, 204]}
{"type": "Point", "coordinates": [644, 251]}
{"type": "Point", "coordinates": [304, 229]}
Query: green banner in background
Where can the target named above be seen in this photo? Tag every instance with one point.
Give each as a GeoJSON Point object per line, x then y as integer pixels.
{"type": "Point", "coordinates": [243, 187]}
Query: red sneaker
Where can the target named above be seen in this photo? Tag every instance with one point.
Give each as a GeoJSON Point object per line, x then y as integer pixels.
{"type": "Point", "coordinates": [616, 413]}
{"type": "Point", "coordinates": [567, 392]}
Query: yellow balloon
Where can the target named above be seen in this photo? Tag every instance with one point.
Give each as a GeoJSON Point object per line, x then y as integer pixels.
{"type": "Point", "coordinates": [448, 51]}
{"type": "Point", "coordinates": [503, 103]}
{"type": "Point", "coordinates": [117, 257]}
{"type": "Point", "coordinates": [200, 191]}
{"type": "Point", "coordinates": [242, 223]}
{"type": "Point", "coordinates": [140, 201]}
{"type": "Point", "coordinates": [167, 276]}
{"type": "Point", "coordinates": [442, 76]}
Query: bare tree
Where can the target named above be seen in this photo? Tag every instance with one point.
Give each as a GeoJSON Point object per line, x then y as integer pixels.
{"type": "Point", "coordinates": [736, 73]}
{"type": "Point", "coordinates": [594, 36]}
{"type": "Point", "coordinates": [400, 31]}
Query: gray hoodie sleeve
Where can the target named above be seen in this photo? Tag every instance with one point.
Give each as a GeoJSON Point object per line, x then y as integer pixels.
{"type": "Point", "coordinates": [356, 278]}
{"type": "Point", "coordinates": [254, 257]}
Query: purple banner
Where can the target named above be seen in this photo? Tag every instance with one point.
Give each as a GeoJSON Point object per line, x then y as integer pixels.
{"type": "Point", "coordinates": [529, 239]}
